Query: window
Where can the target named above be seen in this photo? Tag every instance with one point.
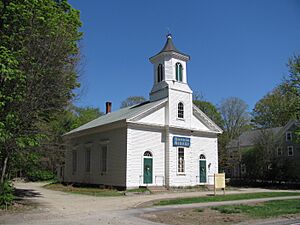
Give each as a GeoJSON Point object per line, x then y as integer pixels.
{"type": "Point", "coordinates": [88, 160]}
{"type": "Point", "coordinates": [148, 154]}
{"type": "Point", "coordinates": [160, 73]}
{"type": "Point", "coordinates": [180, 110]}
{"type": "Point", "coordinates": [178, 68]}
{"type": "Point", "coordinates": [290, 150]}
{"type": "Point", "coordinates": [279, 151]}
{"type": "Point", "coordinates": [74, 161]}
{"type": "Point", "coordinates": [202, 156]}
{"type": "Point", "coordinates": [180, 160]}
{"type": "Point", "coordinates": [103, 159]}
{"type": "Point", "coordinates": [288, 136]}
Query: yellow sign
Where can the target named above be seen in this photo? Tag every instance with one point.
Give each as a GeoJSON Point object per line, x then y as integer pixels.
{"type": "Point", "coordinates": [219, 180]}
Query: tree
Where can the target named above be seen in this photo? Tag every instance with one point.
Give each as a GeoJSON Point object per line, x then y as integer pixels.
{"type": "Point", "coordinates": [235, 116]}
{"type": "Point", "coordinates": [211, 111]}
{"type": "Point", "coordinates": [53, 147]}
{"type": "Point", "coordinates": [40, 39]}
{"type": "Point", "coordinates": [283, 103]}
{"type": "Point", "coordinates": [132, 100]}
{"type": "Point", "coordinates": [276, 108]}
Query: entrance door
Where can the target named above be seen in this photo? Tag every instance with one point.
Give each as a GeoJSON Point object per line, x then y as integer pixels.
{"type": "Point", "coordinates": [202, 169]}
{"type": "Point", "coordinates": [147, 170]}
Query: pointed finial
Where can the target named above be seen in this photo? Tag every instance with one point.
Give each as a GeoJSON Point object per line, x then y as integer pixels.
{"type": "Point", "coordinates": [169, 35]}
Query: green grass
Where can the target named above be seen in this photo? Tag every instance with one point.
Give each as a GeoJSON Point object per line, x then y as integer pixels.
{"type": "Point", "coordinates": [221, 198]}
{"type": "Point", "coordinates": [84, 190]}
{"type": "Point", "coordinates": [264, 210]}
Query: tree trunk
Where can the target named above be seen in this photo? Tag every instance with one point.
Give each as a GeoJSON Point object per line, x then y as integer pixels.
{"type": "Point", "coordinates": [4, 170]}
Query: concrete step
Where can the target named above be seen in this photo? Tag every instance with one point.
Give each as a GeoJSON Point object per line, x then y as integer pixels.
{"type": "Point", "coordinates": [155, 189]}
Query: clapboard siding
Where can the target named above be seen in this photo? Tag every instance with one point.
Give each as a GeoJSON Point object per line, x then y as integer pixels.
{"type": "Point", "coordinates": [139, 141]}
{"type": "Point", "coordinates": [116, 159]}
{"type": "Point", "coordinates": [199, 145]}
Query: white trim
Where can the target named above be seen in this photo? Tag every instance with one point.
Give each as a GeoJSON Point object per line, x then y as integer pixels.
{"type": "Point", "coordinates": [143, 165]}
{"type": "Point", "coordinates": [206, 169]}
{"type": "Point", "coordinates": [281, 152]}
{"type": "Point", "coordinates": [288, 150]}
{"type": "Point", "coordinates": [184, 160]}
{"type": "Point", "coordinates": [286, 136]}
{"type": "Point", "coordinates": [207, 121]}
{"type": "Point", "coordinates": [180, 118]}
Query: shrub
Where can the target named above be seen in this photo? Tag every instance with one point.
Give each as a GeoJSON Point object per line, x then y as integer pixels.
{"type": "Point", "coordinates": [40, 175]}
{"type": "Point", "coordinates": [6, 194]}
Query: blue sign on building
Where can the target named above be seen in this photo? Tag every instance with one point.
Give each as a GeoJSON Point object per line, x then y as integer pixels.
{"type": "Point", "coordinates": [181, 141]}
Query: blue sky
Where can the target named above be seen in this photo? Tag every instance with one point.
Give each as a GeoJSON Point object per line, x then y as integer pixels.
{"type": "Point", "coordinates": [237, 47]}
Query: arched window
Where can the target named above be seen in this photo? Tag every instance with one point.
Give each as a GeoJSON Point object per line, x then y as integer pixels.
{"type": "Point", "coordinates": [202, 156]}
{"type": "Point", "coordinates": [160, 73]}
{"type": "Point", "coordinates": [148, 154]}
{"type": "Point", "coordinates": [180, 110]}
{"type": "Point", "coordinates": [178, 68]}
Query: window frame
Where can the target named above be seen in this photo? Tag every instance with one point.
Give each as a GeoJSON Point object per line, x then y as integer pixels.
{"type": "Point", "coordinates": [178, 72]}
{"type": "Point", "coordinates": [181, 111]}
{"type": "Point", "coordinates": [281, 152]}
{"type": "Point", "coordinates": [102, 160]}
{"type": "Point", "coordinates": [88, 154]}
{"type": "Point", "coordinates": [74, 161]}
{"type": "Point", "coordinates": [288, 150]}
{"type": "Point", "coordinates": [290, 135]}
{"type": "Point", "coordinates": [160, 73]}
{"type": "Point", "coordinates": [182, 172]}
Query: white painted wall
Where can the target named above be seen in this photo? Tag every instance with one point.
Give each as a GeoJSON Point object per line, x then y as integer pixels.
{"type": "Point", "coordinates": [174, 98]}
{"type": "Point", "coordinates": [157, 117]}
{"type": "Point", "coordinates": [199, 145]}
{"type": "Point", "coordinates": [197, 124]}
{"type": "Point", "coordinates": [116, 159]}
{"type": "Point", "coordinates": [140, 140]}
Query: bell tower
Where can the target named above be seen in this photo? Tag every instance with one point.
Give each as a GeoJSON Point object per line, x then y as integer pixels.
{"type": "Point", "coordinates": [169, 69]}
{"type": "Point", "coordinates": [170, 81]}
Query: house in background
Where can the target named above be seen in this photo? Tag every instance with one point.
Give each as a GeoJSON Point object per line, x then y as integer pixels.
{"type": "Point", "coordinates": [166, 141]}
{"type": "Point", "coordinates": [286, 148]}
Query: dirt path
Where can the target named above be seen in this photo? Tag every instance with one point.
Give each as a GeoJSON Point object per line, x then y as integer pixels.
{"type": "Point", "coordinates": [59, 208]}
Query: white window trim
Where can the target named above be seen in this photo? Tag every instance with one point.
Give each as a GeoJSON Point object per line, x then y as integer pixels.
{"type": "Point", "coordinates": [179, 118]}
{"type": "Point", "coordinates": [102, 144]}
{"type": "Point", "coordinates": [184, 161]}
{"type": "Point", "coordinates": [74, 168]}
{"type": "Point", "coordinates": [281, 152]}
{"type": "Point", "coordinates": [288, 133]}
{"type": "Point", "coordinates": [292, 148]}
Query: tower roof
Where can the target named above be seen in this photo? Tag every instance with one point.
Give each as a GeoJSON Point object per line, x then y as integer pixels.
{"type": "Point", "coordinates": [170, 47]}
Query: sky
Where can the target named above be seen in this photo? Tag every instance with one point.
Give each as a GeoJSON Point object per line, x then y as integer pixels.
{"type": "Point", "coordinates": [238, 48]}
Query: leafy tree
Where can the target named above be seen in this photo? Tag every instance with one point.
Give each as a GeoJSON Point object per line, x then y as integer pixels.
{"type": "Point", "coordinates": [211, 111]}
{"type": "Point", "coordinates": [276, 108]}
{"type": "Point", "coordinates": [132, 100]}
{"type": "Point", "coordinates": [38, 61]}
{"type": "Point", "coordinates": [53, 147]}
{"type": "Point", "coordinates": [283, 103]}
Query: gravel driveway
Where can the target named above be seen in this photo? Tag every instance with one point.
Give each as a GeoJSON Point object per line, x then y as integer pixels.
{"type": "Point", "coordinates": [59, 208]}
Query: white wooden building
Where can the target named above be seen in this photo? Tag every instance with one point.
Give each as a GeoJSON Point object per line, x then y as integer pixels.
{"type": "Point", "coordinates": [166, 141]}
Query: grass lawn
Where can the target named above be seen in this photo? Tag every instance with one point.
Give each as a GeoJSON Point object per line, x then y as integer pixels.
{"type": "Point", "coordinates": [84, 190]}
{"type": "Point", "coordinates": [263, 210]}
{"type": "Point", "coordinates": [221, 198]}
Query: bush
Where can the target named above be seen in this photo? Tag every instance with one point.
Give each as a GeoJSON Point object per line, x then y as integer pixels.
{"type": "Point", "coordinates": [40, 175]}
{"type": "Point", "coordinates": [6, 194]}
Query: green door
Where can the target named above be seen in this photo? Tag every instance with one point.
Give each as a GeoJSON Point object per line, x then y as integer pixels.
{"type": "Point", "coordinates": [202, 169]}
{"type": "Point", "coordinates": [147, 171]}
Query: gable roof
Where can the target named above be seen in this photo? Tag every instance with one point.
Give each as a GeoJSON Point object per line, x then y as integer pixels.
{"type": "Point", "coordinates": [206, 120]}
{"type": "Point", "coordinates": [247, 138]}
{"type": "Point", "coordinates": [121, 114]}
